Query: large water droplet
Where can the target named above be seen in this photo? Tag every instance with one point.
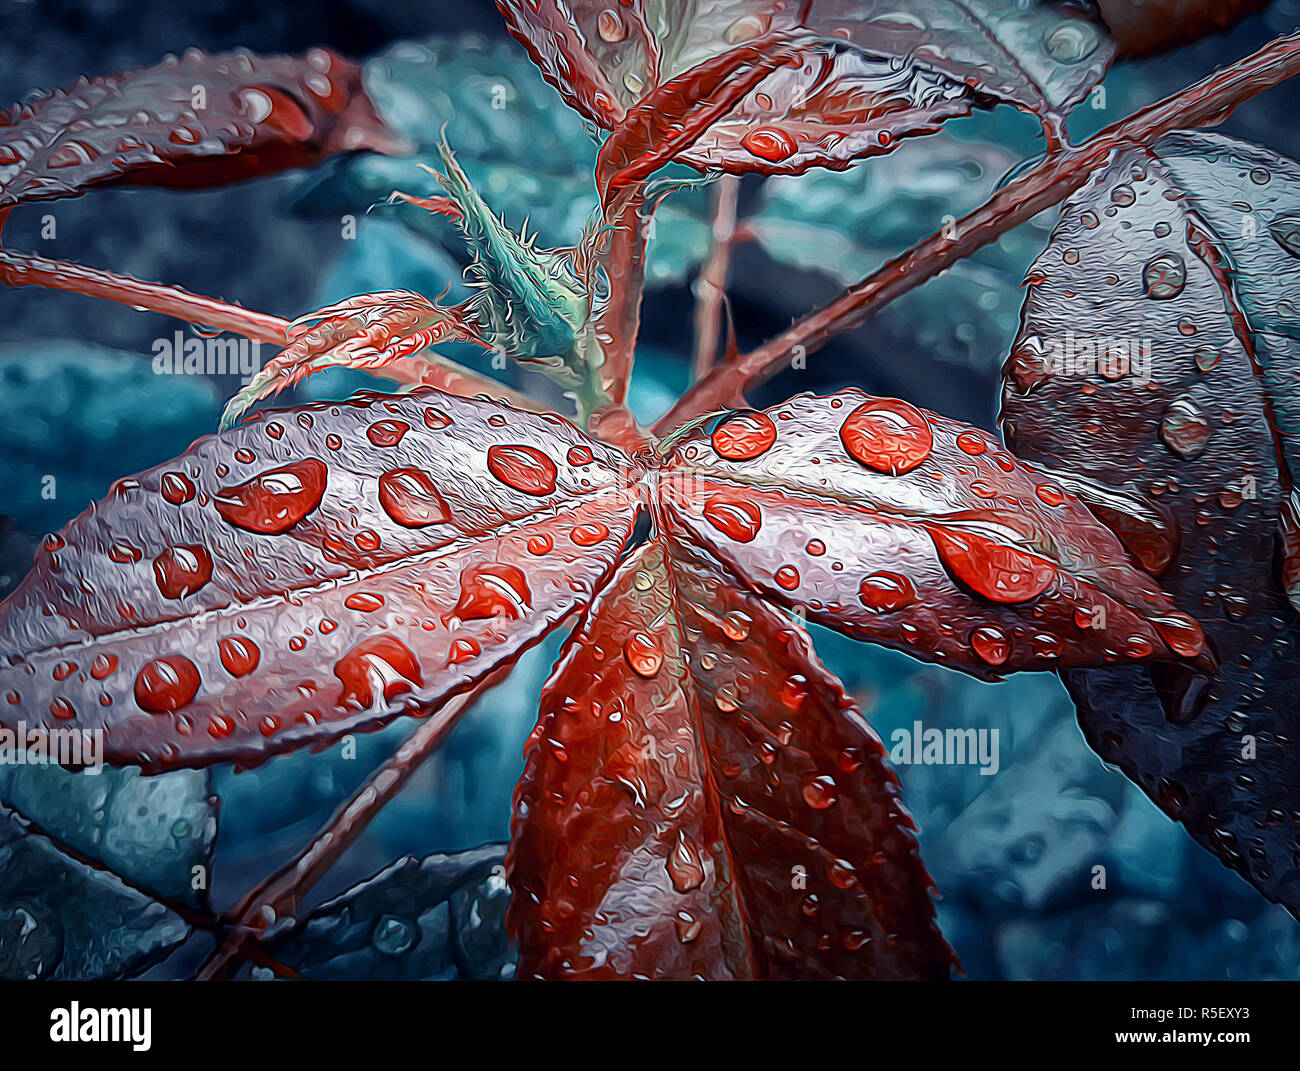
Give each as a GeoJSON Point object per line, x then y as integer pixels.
{"type": "Point", "coordinates": [409, 496]}
{"type": "Point", "coordinates": [493, 589]}
{"type": "Point", "coordinates": [685, 867]}
{"type": "Point", "coordinates": [1164, 276]}
{"type": "Point", "coordinates": [733, 517]}
{"type": "Point", "coordinates": [787, 576]}
{"type": "Point", "coordinates": [770, 143]}
{"type": "Point", "coordinates": [886, 592]}
{"type": "Point", "coordinates": [166, 684]}
{"type": "Point", "coordinates": [239, 655]}
{"type": "Point", "coordinates": [522, 468]}
{"type": "Point", "coordinates": [379, 666]}
{"type": "Point", "coordinates": [995, 570]}
{"type": "Point", "coordinates": [1185, 428]}
{"type": "Point", "coordinates": [744, 435]}
{"type": "Point", "coordinates": [820, 792]}
{"type": "Point", "coordinates": [643, 654]}
{"type": "Point", "coordinates": [182, 570]}
{"type": "Point", "coordinates": [176, 488]}
{"type": "Point", "coordinates": [991, 644]}
{"type": "Point", "coordinates": [887, 435]}
{"type": "Point", "coordinates": [274, 501]}
{"type": "Point", "coordinates": [387, 432]}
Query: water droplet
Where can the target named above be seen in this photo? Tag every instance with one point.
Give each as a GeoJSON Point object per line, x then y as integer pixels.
{"type": "Point", "coordinates": [1207, 357]}
{"type": "Point", "coordinates": [276, 500]}
{"type": "Point", "coordinates": [367, 539]}
{"type": "Point", "coordinates": [643, 654]}
{"type": "Point", "coordinates": [743, 435]}
{"type": "Point", "coordinates": [685, 867]}
{"type": "Point", "coordinates": [1185, 428]}
{"type": "Point", "coordinates": [1072, 41]}
{"type": "Point", "coordinates": [1164, 276]}
{"type": "Point", "coordinates": [770, 143]}
{"type": "Point", "coordinates": [392, 936]}
{"type": "Point", "coordinates": [688, 927]}
{"type": "Point", "coordinates": [787, 577]}
{"type": "Point", "coordinates": [245, 456]}
{"type": "Point", "coordinates": [1123, 195]}
{"type": "Point", "coordinates": [886, 592]}
{"type": "Point", "coordinates": [492, 589]}
{"type": "Point", "coordinates": [588, 535]}
{"type": "Point", "coordinates": [365, 602]}
{"type": "Point", "coordinates": [104, 665]}
{"type": "Point", "coordinates": [820, 792]}
{"type": "Point", "coordinates": [995, 570]}
{"type": "Point", "coordinates": [991, 644]}
{"type": "Point", "coordinates": [275, 430]}
{"type": "Point", "coordinates": [523, 468]}
{"type": "Point", "coordinates": [579, 455]}
{"type": "Point", "coordinates": [64, 669]}
{"type": "Point", "coordinates": [733, 517]}
{"type": "Point", "coordinates": [166, 684]}
{"type": "Point", "coordinates": [182, 570]}
{"type": "Point", "coordinates": [410, 498]}
{"type": "Point", "coordinates": [540, 544]}
{"type": "Point", "coordinates": [387, 432]}
{"type": "Point", "coordinates": [239, 655]}
{"type": "Point", "coordinates": [124, 553]}
{"type": "Point", "coordinates": [61, 708]}
{"type": "Point", "coordinates": [887, 435]}
{"type": "Point", "coordinates": [815, 547]}
{"type": "Point", "coordinates": [462, 649]}
{"type": "Point", "coordinates": [1182, 633]}
{"type": "Point", "coordinates": [381, 664]}
{"type": "Point", "coordinates": [176, 488]}
{"type": "Point", "coordinates": [1050, 494]}
{"type": "Point", "coordinates": [736, 625]}
{"type": "Point", "coordinates": [971, 442]}
{"type": "Point", "coordinates": [610, 25]}
{"type": "Point", "coordinates": [436, 419]}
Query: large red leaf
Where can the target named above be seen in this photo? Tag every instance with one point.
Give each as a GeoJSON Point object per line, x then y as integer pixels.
{"type": "Point", "coordinates": [917, 532]}
{"type": "Point", "coordinates": [196, 120]}
{"type": "Point", "coordinates": [1157, 361]}
{"type": "Point", "coordinates": [873, 72]}
{"type": "Point", "coordinates": [310, 573]}
{"type": "Point", "coordinates": [701, 799]}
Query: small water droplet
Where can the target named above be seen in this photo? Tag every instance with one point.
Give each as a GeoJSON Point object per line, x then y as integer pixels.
{"type": "Point", "coordinates": [991, 644]}
{"type": "Point", "coordinates": [166, 684]}
{"type": "Point", "coordinates": [887, 435]}
{"type": "Point", "coordinates": [523, 468]}
{"type": "Point", "coordinates": [886, 592]}
{"type": "Point", "coordinates": [770, 143]}
{"type": "Point", "coordinates": [239, 655]}
{"type": "Point", "coordinates": [643, 654]}
{"type": "Point", "coordinates": [737, 518]}
{"type": "Point", "coordinates": [1185, 428]}
{"type": "Point", "coordinates": [820, 792]}
{"type": "Point", "coordinates": [387, 432]}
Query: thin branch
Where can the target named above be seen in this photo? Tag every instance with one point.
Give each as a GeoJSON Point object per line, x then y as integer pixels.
{"type": "Point", "coordinates": [24, 269]}
{"type": "Point", "coordinates": [281, 894]}
{"type": "Point", "coordinates": [1206, 103]}
{"type": "Point", "coordinates": [711, 286]}
{"type": "Point", "coordinates": [624, 266]}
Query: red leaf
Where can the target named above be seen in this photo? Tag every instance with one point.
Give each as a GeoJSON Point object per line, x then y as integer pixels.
{"type": "Point", "coordinates": [311, 573]}
{"type": "Point", "coordinates": [876, 71]}
{"type": "Point", "coordinates": [197, 120]}
{"type": "Point", "coordinates": [917, 532]}
{"type": "Point", "coordinates": [700, 799]}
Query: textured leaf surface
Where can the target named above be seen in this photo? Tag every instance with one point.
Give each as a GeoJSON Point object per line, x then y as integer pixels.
{"type": "Point", "coordinates": [917, 532]}
{"type": "Point", "coordinates": [62, 919]}
{"type": "Point", "coordinates": [439, 917]}
{"type": "Point", "coordinates": [150, 831]}
{"type": "Point", "coordinates": [194, 120]}
{"type": "Point", "coordinates": [310, 573]}
{"type": "Point", "coordinates": [701, 799]}
{"type": "Point", "coordinates": [874, 72]}
{"type": "Point", "coordinates": [1188, 256]}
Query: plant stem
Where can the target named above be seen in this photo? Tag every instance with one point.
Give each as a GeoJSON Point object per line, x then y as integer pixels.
{"type": "Point", "coordinates": [624, 265]}
{"type": "Point", "coordinates": [281, 893]}
{"type": "Point", "coordinates": [24, 269]}
{"type": "Point", "coordinates": [1206, 103]}
{"type": "Point", "coordinates": [711, 286]}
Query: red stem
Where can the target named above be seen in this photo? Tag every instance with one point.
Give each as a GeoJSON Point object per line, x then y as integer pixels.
{"type": "Point", "coordinates": [711, 286]}
{"type": "Point", "coordinates": [624, 265]}
{"type": "Point", "coordinates": [1206, 103]}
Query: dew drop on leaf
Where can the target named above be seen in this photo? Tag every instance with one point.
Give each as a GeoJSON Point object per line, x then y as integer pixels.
{"type": "Point", "coordinates": [274, 501]}
{"type": "Point", "coordinates": [410, 498]}
{"type": "Point", "coordinates": [887, 435]}
{"type": "Point", "coordinates": [493, 589]}
{"type": "Point", "coordinates": [991, 644]}
{"type": "Point", "coordinates": [176, 488]}
{"type": "Point", "coordinates": [820, 792]}
{"type": "Point", "coordinates": [743, 436]}
{"type": "Point", "coordinates": [770, 143]}
{"type": "Point", "coordinates": [1164, 276]}
{"type": "Point", "coordinates": [166, 684]}
{"type": "Point", "coordinates": [381, 661]}
{"type": "Point", "coordinates": [239, 655]}
{"type": "Point", "coordinates": [736, 518]}
{"type": "Point", "coordinates": [522, 467]}
{"type": "Point", "coordinates": [1185, 428]}
{"type": "Point", "coordinates": [387, 432]}
{"type": "Point", "coordinates": [643, 654]}
{"type": "Point", "coordinates": [685, 867]}
{"type": "Point", "coordinates": [886, 592]}
{"type": "Point", "coordinates": [995, 570]}
{"type": "Point", "coordinates": [182, 570]}
{"type": "Point", "coordinates": [588, 535]}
